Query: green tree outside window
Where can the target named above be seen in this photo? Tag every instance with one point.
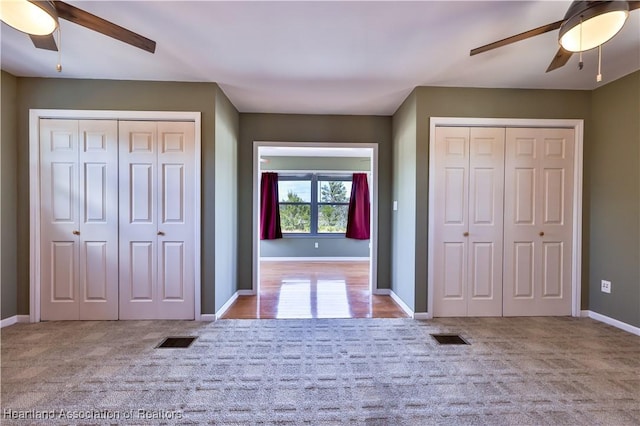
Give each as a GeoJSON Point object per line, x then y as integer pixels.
{"type": "Point", "coordinates": [295, 218]}
{"type": "Point", "coordinates": [332, 217]}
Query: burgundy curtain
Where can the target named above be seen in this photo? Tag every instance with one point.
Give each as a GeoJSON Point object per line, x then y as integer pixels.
{"type": "Point", "coordinates": [358, 219]}
{"type": "Point", "coordinates": [269, 207]}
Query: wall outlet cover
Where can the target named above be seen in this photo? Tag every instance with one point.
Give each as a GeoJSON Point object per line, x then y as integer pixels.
{"type": "Point", "coordinates": [605, 286]}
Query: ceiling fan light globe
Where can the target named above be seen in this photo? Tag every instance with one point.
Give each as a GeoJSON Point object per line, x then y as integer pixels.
{"type": "Point", "coordinates": [591, 24]}
{"type": "Point", "coordinates": [31, 17]}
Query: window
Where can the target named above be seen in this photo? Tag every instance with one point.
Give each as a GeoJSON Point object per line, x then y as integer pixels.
{"type": "Point", "coordinates": [314, 204]}
{"type": "Point", "coordinates": [295, 204]}
{"type": "Point", "coordinates": [333, 205]}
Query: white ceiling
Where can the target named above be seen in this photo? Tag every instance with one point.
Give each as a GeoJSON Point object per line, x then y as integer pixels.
{"type": "Point", "coordinates": [334, 57]}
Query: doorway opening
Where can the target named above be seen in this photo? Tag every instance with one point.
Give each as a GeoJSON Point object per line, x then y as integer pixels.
{"type": "Point", "coordinates": [314, 271]}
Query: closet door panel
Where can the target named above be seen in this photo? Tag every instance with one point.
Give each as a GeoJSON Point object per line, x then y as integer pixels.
{"type": "Point", "coordinates": [63, 192]}
{"type": "Point", "coordinates": [157, 182]}
{"type": "Point", "coordinates": [454, 268]}
{"type": "Point", "coordinates": [59, 220]}
{"type": "Point", "coordinates": [175, 219]}
{"type": "Point", "coordinates": [141, 188]}
{"type": "Point", "coordinates": [552, 274]}
{"type": "Point", "coordinates": [172, 271]}
{"type": "Point", "coordinates": [486, 188]}
{"type": "Point", "coordinates": [538, 221]}
{"type": "Point", "coordinates": [97, 267]}
{"type": "Point", "coordinates": [524, 271]}
{"type": "Point", "coordinates": [98, 164]}
{"type": "Point", "coordinates": [62, 283]}
{"type": "Point", "coordinates": [141, 282]}
{"type": "Point", "coordinates": [451, 218]}
{"type": "Point", "coordinates": [524, 197]}
{"type": "Point", "coordinates": [138, 219]}
{"type": "Point", "coordinates": [482, 271]}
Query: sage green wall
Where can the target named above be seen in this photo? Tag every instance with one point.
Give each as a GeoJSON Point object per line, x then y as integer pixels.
{"type": "Point", "coordinates": [615, 200]}
{"type": "Point", "coordinates": [312, 128]}
{"type": "Point", "coordinates": [349, 164]}
{"type": "Point", "coordinates": [328, 246]}
{"type": "Point", "coordinates": [9, 196]}
{"type": "Point", "coordinates": [305, 247]}
{"type": "Point", "coordinates": [611, 190]}
{"type": "Point", "coordinates": [226, 199]}
{"type": "Point", "coordinates": [118, 95]}
{"type": "Point", "coordinates": [403, 236]}
{"type": "Point", "coordinates": [491, 103]}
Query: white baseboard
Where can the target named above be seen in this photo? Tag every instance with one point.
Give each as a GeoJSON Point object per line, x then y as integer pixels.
{"type": "Point", "coordinates": [14, 320]}
{"type": "Point", "coordinates": [208, 317]}
{"type": "Point", "coordinates": [613, 322]}
{"type": "Point", "coordinates": [9, 321]}
{"type": "Point", "coordinates": [227, 305]}
{"type": "Point", "coordinates": [401, 303]}
{"type": "Point", "coordinates": [313, 259]}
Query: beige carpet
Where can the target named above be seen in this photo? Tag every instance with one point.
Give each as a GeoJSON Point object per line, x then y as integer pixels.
{"type": "Point", "coordinates": [535, 371]}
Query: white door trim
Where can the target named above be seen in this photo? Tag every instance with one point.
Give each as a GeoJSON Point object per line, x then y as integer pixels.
{"type": "Point", "coordinates": [578, 126]}
{"type": "Point", "coordinates": [373, 251]}
{"type": "Point", "coordinates": [34, 187]}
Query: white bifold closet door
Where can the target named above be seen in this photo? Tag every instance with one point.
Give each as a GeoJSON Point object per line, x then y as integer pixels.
{"type": "Point", "coordinates": [79, 219]}
{"type": "Point", "coordinates": [538, 228]}
{"type": "Point", "coordinates": [156, 220]}
{"type": "Point", "coordinates": [503, 221]}
{"type": "Point", "coordinates": [468, 221]}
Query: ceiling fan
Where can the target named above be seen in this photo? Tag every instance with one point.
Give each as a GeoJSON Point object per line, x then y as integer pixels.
{"type": "Point", "coordinates": [39, 19]}
{"type": "Point", "coordinates": [586, 25]}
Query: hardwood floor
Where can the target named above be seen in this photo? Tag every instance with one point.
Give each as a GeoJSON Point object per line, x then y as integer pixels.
{"type": "Point", "coordinates": [314, 290]}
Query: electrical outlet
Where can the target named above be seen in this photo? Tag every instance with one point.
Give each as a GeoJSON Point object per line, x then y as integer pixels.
{"type": "Point", "coordinates": [315, 245]}
{"type": "Point", "coordinates": [605, 286]}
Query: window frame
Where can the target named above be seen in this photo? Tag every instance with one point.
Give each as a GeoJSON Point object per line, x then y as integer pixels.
{"type": "Point", "coordinates": [314, 204]}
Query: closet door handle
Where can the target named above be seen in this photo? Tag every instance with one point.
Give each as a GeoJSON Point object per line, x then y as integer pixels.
{"type": "Point", "coordinates": [541, 234]}
{"type": "Point", "coordinates": [161, 233]}
{"type": "Point", "coordinates": [76, 232]}
{"type": "Point", "coordinates": [465, 234]}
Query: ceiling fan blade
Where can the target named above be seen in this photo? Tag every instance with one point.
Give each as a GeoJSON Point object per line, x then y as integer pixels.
{"type": "Point", "coordinates": [634, 5]}
{"type": "Point", "coordinates": [44, 42]}
{"type": "Point", "coordinates": [95, 23]}
{"type": "Point", "coordinates": [561, 58]}
{"type": "Point", "coordinates": [518, 37]}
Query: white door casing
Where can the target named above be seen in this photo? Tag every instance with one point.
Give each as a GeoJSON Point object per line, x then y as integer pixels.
{"type": "Point", "coordinates": [467, 255]}
{"type": "Point", "coordinates": [538, 221]}
{"type": "Point", "coordinates": [576, 238]}
{"type": "Point", "coordinates": [36, 228]}
{"type": "Point", "coordinates": [373, 188]}
{"type": "Point", "coordinates": [156, 226]}
{"type": "Point", "coordinates": [79, 218]}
